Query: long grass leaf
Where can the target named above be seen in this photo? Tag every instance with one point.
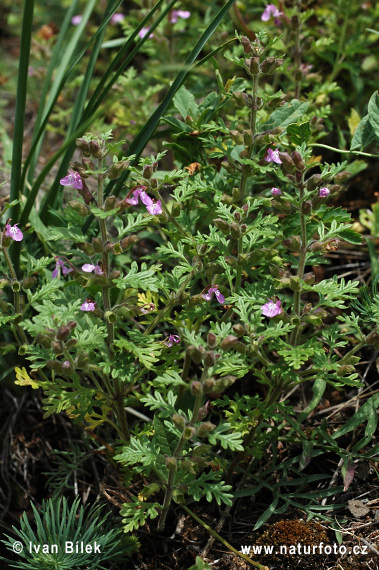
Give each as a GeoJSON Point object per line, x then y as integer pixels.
{"type": "Point", "coordinates": [119, 63]}
{"type": "Point", "coordinates": [147, 131]}
{"type": "Point", "coordinates": [22, 82]}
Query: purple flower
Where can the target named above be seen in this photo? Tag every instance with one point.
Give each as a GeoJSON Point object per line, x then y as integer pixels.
{"type": "Point", "coordinates": [72, 179]}
{"type": "Point", "coordinates": [13, 232]}
{"type": "Point", "coordinates": [144, 31]}
{"type": "Point", "coordinates": [145, 199]}
{"type": "Point", "coordinates": [273, 156]}
{"type": "Point", "coordinates": [88, 305]}
{"type": "Point", "coordinates": [323, 192]}
{"type": "Point", "coordinates": [155, 208]}
{"type": "Point", "coordinates": [117, 18]}
{"type": "Point", "coordinates": [213, 289]}
{"type": "Point", "coordinates": [271, 309]}
{"type": "Point", "coordinates": [135, 192]}
{"type": "Point", "coordinates": [175, 14]}
{"type": "Point", "coordinates": [66, 364]}
{"type": "Point", "coordinates": [75, 20]}
{"type": "Point", "coordinates": [89, 267]}
{"type": "Point", "coordinates": [60, 264]}
{"type": "Point", "coordinates": [270, 10]}
{"type": "Point", "coordinates": [138, 193]}
{"type": "Point", "coordinates": [276, 191]}
{"type": "Point", "coordinates": [147, 308]}
{"type": "Point", "coordinates": [173, 338]}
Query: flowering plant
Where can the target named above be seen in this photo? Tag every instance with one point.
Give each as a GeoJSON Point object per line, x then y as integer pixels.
{"type": "Point", "coordinates": [188, 297]}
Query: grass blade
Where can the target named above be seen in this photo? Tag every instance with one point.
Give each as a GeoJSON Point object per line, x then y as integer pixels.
{"type": "Point", "coordinates": [18, 135]}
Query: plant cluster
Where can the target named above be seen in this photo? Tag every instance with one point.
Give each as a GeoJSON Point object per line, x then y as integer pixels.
{"type": "Point", "coordinates": [181, 287]}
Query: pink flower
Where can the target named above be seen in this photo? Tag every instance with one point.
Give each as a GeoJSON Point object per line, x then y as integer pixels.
{"type": "Point", "coordinates": [75, 20]}
{"type": "Point", "coordinates": [175, 14]}
{"type": "Point", "coordinates": [88, 305]}
{"type": "Point", "coordinates": [271, 309]}
{"type": "Point", "coordinates": [323, 192]}
{"type": "Point", "coordinates": [173, 338]}
{"type": "Point", "coordinates": [72, 179]}
{"type": "Point", "coordinates": [155, 208]}
{"type": "Point", "coordinates": [66, 364]}
{"type": "Point", "coordinates": [273, 156]}
{"type": "Point", "coordinates": [145, 199]}
{"type": "Point", "coordinates": [144, 31]}
{"type": "Point", "coordinates": [136, 191]}
{"type": "Point", "coordinates": [276, 191]}
{"type": "Point", "coordinates": [117, 18]}
{"type": "Point", "coordinates": [147, 308]}
{"type": "Point", "coordinates": [89, 267]}
{"type": "Point", "coordinates": [213, 289]}
{"type": "Point", "coordinates": [270, 10]}
{"type": "Point", "coordinates": [60, 264]}
{"type": "Point", "coordinates": [13, 232]}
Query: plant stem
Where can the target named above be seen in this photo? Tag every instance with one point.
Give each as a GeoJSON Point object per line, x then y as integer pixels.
{"type": "Point", "coordinates": [223, 541]}
{"type": "Point", "coordinates": [272, 397]}
{"type": "Point", "coordinates": [301, 265]}
{"type": "Point", "coordinates": [179, 448]}
{"type": "Point", "coordinates": [298, 52]}
{"type": "Point", "coordinates": [16, 294]}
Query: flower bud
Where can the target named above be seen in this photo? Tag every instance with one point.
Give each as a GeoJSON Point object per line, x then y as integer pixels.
{"type": "Point", "coordinates": [342, 176]}
{"type": "Point", "coordinates": [176, 209]}
{"type": "Point", "coordinates": [298, 161]}
{"type": "Point", "coordinates": [96, 150]}
{"type": "Point", "coordinates": [313, 182]}
{"type": "Point", "coordinates": [28, 282]}
{"type": "Point", "coordinates": [293, 243]}
{"type": "Point", "coordinates": [306, 207]}
{"type": "Point", "coordinates": [110, 317]}
{"type": "Point", "coordinates": [222, 225]}
{"type": "Point", "coordinates": [83, 145]}
{"type": "Point", "coordinates": [196, 353]}
{"type": "Point", "coordinates": [128, 242]}
{"type": "Point", "coordinates": [270, 65]}
{"type": "Point", "coordinates": [209, 358]}
{"type": "Point", "coordinates": [228, 342]}
{"type": "Point", "coordinates": [54, 365]}
{"type": "Point", "coordinates": [65, 330]}
{"type": "Point", "coordinates": [239, 330]}
{"type": "Point", "coordinates": [287, 162]}
{"type": "Point", "coordinates": [236, 136]}
{"type": "Point", "coordinates": [170, 462]}
{"type": "Point", "coordinates": [242, 99]}
{"type": "Point", "coordinates": [235, 231]}
{"type": "Point", "coordinates": [203, 411]}
{"type": "Point", "coordinates": [148, 171]}
{"type": "Point", "coordinates": [188, 432]}
{"type": "Point", "coordinates": [252, 65]}
{"type": "Point", "coordinates": [85, 247]}
{"type": "Point", "coordinates": [345, 369]}
{"type": "Point", "coordinates": [57, 347]}
{"type": "Point", "coordinates": [211, 339]}
{"type": "Point", "coordinates": [16, 286]}
{"type": "Point", "coordinates": [205, 428]}
{"type": "Point", "coordinates": [154, 183]}
{"type": "Point", "coordinates": [247, 47]}
{"type": "Point", "coordinates": [97, 245]}
{"type": "Point", "coordinates": [115, 274]}
{"type": "Point", "coordinates": [71, 342]}
{"type": "Point", "coordinates": [110, 203]}
{"type": "Point", "coordinates": [230, 260]}
{"type": "Point", "coordinates": [44, 340]}
{"type": "Point", "coordinates": [224, 383]}
{"type": "Point", "coordinates": [309, 278]}
{"type": "Point", "coordinates": [209, 385]}
{"type": "Point", "coordinates": [178, 421]}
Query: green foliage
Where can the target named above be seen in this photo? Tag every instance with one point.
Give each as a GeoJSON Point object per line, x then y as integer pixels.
{"type": "Point", "coordinates": [59, 529]}
{"type": "Point", "coordinates": [186, 272]}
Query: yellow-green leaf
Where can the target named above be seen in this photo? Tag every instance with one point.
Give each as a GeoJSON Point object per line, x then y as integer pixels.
{"type": "Point", "coordinates": [23, 378]}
